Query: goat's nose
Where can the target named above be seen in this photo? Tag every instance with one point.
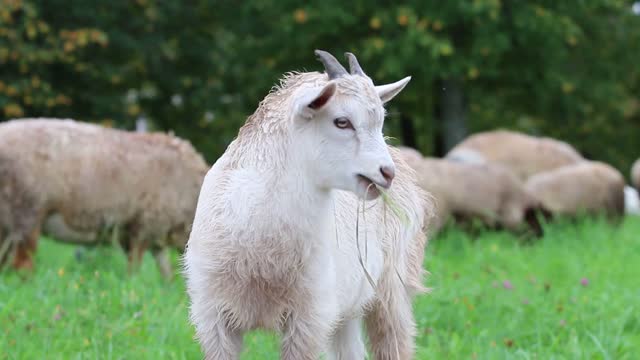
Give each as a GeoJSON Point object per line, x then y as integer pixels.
{"type": "Point", "coordinates": [388, 173]}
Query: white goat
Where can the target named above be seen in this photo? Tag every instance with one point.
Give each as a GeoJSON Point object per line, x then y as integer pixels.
{"type": "Point", "coordinates": [279, 240]}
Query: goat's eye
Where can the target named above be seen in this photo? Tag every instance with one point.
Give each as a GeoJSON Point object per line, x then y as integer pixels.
{"type": "Point", "coordinates": [342, 123]}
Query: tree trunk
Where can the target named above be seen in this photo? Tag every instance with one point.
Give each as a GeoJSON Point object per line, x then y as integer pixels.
{"type": "Point", "coordinates": [408, 131]}
{"type": "Point", "coordinates": [453, 113]}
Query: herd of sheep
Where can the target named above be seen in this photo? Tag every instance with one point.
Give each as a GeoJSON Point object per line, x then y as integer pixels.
{"type": "Point", "coordinates": [297, 227]}
{"type": "Point", "coordinates": [512, 180]}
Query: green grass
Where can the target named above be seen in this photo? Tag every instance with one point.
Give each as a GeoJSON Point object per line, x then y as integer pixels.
{"type": "Point", "coordinates": [91, 309]}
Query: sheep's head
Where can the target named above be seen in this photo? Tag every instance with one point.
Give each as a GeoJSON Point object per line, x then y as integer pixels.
{"type": "Point", "coordinates": [338, 126]}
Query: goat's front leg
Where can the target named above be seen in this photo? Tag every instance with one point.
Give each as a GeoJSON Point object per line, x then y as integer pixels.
{"type": "Point", "coordinates": [310, 322]}
{"type": "Point", "coordinates": [390, 322]}
{"type": "Point", "coordinates": [306, 333]}
{"type": "Point", "coordinates": [347, 342]}
{"type": "Point", "coordinates": [218, 339]}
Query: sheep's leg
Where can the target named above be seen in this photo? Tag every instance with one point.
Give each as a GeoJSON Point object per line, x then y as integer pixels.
{"type": "Point", "coordinates": [25, 249]}
{"type": "Point", "coordinates": [164, 264]}
{"type": "Point", "coordinates": [136, 254]}
{"type": "Point", "coordinates": [347, 342]}
{"type": "Point", "coordinates": [5, 248]}
{"type": "Point", "coordinates": [390, 323]}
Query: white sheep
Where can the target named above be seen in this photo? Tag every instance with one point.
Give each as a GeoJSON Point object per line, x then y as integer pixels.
{"type": "Point", "coordinates": [488, 192]}
{"type": "Point", "coordinates": [275, 242]}
{"type": "Point", "coordinates": [635, 174]}
{"type": "Point", "coordinates": [631, 201]}
{"type": "Point", "coordinates": [586, 187]}
{"type": "Point", "coordinates": [525, 155]}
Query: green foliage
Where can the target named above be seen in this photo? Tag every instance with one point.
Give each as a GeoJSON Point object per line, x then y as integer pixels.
{"type": "Point", "coordinates": [563, 69]}
{"type": "Point", "coordinates": [492, 298]}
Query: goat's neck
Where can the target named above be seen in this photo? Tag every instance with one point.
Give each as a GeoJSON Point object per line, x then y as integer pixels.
{"type": "Point", "coordinates": [301, 205]}
{"type": "Point", "coordinates": [299, 197]}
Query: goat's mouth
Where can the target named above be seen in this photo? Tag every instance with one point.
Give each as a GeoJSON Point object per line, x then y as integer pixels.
{"type": "Point", "coordinates": [368, 188]}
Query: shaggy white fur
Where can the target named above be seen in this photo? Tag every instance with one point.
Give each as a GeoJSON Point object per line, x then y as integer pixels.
{"type": "Point", "coordinates": [281, 241]}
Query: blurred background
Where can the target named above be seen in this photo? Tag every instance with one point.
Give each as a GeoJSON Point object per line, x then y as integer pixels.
{"type": "Point", "coordinates": [565, 69]}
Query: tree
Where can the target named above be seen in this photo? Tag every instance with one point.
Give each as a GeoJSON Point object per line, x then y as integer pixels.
{"type": "Point", "coordinates": [562, 69]}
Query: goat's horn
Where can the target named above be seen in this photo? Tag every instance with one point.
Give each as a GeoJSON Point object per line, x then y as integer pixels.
{"type": "Point", "coordinates": [331, 64]}
{"type": "Point", "coordinates": [354, 66]}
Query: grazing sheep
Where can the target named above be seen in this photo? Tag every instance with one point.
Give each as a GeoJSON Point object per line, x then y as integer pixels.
{"type": "Point", "coordinates": [524, 154]}
{"type": "Point", "coordinates": [631, 201]}
{"type": "Point", "coordinates": [586, 187]}
{"type": "Point", "coordinates": [488, 192]}
{"type": "Point", "coordinates": [469, 156]}
{"type": "Point", "coordinates": [410, 155]}
{"type": "Point", "coordinates": [280, 239]}
{"type": "Point", "coordinates": [75, 179]}
{"type": "Point", "coordinates": [635, 174]}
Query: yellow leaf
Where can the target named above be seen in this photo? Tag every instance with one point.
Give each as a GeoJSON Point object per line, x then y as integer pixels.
{"type": "Point", "coordinates": [300, 16]}
{"type": "Point", "coordinates": [5, 15]}
{"type": "Point", "coordinates": [403, 20]}
{"type": "Point", "coordinates": [63, 100]}
{"type": "Point", "coordinates": [31, 31]}
{"type": "Point", "coordinates": [83, 39]}
{"type": "Point", "coordinates": [473, 73]}
{"type": "Point", "coordinates": [13, 110]}
{"type": "Point", "coordinates": [11, 91]}
{"type": "Point", "coordinates": [446, 50]}
{"type": "Point", "coordinates": [375, 23]}
{"type": "Point", "coordinates": [567, 87]}
{"type": "Point", "coordinates": [422, 24]}
{"type": "Point", "coordinates": [133, 109]}
{"type": "Point", "coordinates": [378, 43]}
{"type": "Point", "coordinates": [68, 46]}
{"type": "Point", "coordinates": [43, 27]}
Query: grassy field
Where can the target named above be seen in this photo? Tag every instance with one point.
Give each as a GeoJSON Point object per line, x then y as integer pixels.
{"type": "Point", "coordinates": [573, 295]}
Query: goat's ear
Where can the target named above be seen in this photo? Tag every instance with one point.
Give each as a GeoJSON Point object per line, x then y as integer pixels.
{"type": "Point", "coordinates": [389, 91]}
{"type": "Point", "coordinates": [323, 97]}
{"type": "Point", "coordinates": [315, 99]}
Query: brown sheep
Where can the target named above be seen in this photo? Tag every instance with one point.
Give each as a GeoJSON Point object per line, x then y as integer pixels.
{"type": "Point", "coordinates": [586, 187]}
{"type": "Point", "coordinates": [525, 155]}
{"type": "Point", "coordinates": [488, 192]}
{"type": "Point", "coordinates": [75, 179]}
